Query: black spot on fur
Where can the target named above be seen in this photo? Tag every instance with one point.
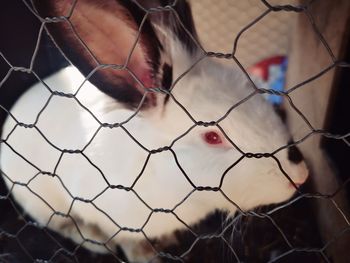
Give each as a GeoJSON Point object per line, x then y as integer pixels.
{"type": "Point", "coordinates": [167, 76]}
{"type": "Point", "coordinates": [294, 154]}
{"type": "Point", "coordinates": [167, 79]}
{"type": "Point", "coordinates": [281, 112]}
{"type": "Point", "coordinates": [205, 250]}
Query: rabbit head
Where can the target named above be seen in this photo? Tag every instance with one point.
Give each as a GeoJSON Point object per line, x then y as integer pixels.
{"type": "Point", "coordinates": [223, 135]}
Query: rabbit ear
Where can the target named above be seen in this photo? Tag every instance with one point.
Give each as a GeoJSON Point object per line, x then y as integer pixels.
{"type": "Point", "coordinates": [95, 35]}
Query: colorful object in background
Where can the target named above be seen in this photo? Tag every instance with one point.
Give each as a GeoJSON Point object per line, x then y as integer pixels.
{"type": "Point", "coordinates": [270, 74]}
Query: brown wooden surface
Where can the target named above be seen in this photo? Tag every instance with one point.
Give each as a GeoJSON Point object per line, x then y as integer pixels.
{"type": "Point", "coordinates": [308, 56]}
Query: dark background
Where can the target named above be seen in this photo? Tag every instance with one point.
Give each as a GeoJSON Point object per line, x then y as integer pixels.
{"type": "Point", "coordinates": [19, 31]}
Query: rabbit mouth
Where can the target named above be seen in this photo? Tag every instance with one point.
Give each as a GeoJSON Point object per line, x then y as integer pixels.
{"type": "Point", "coordinates": [295, 185]}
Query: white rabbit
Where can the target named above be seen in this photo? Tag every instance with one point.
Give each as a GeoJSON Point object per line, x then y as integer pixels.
{"type": "Point", "coordinates": [92, 185]}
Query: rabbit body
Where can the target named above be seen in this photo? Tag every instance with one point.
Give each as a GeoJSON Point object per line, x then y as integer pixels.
{"type": "Point", "coordinates": [68, 125]}
{"type": "Point", "coordinates": [86, 178]}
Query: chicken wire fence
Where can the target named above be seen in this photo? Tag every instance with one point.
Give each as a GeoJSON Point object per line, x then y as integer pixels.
{"type": "Point", "coordinates": [239, 239]}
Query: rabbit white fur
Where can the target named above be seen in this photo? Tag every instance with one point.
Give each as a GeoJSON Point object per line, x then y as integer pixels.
{"type": "Point", "coordinates": [207, 92]}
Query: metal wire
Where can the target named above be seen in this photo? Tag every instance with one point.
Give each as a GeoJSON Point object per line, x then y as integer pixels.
{"type": "Point", "coordinates": [71, 255]}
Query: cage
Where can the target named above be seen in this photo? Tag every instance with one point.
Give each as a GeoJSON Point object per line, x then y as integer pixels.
{"type": "Point", "coordinates": [303, 46]}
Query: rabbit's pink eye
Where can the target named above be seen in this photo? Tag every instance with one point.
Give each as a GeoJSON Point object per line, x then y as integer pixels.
{"type": "Point", "coordinates": [212, 137]}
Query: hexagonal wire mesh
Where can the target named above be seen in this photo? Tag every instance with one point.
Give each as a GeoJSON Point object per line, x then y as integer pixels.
{"type": "Point", "coordinates": [215, 239]}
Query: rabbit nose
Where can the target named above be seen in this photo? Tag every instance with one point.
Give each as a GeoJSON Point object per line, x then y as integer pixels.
{"type": "Point", "coordinates": [301, 174]}
{"type": "Point", "coordinates": [296, 159]}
